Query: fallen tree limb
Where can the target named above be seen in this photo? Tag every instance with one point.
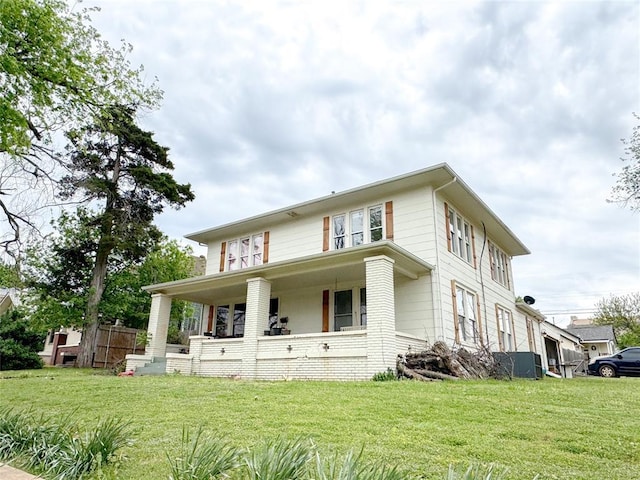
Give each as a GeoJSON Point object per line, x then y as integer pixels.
{"type": "Point", "coordinates": [409, 373]}
{"type": "Point", "coordinates": [442, 363]}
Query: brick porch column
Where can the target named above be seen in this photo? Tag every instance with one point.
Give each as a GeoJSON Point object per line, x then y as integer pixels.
{"type": "Point", "coordinates": [158, 325]}
{"type": "Point", "coordinates": [257, 315]}
{"type": "Point", "coordinates": [381, 316]}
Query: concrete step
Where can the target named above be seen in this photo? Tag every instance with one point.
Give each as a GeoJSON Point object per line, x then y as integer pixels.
{"type": "Point", "coordinates": [157, 367]}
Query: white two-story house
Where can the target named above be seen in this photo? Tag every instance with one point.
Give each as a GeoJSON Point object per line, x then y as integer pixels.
{"type": "Point", "coordinates": [358, 276]}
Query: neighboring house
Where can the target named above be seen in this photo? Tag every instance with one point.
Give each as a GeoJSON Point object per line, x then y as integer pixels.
{"type": "Point", "coordinates": [61, 347]}
{"type": "Point", "coordinates": [561, 351]}
{"type": "Point", "coordinates": [575, 321]}
{"type": "Point", "coordinates": [53, 346]}
{"type": "Point", "coordinates": [9, 298]}
{"type": "Point", "coordinates": [361, 276]}
{"type": "Point", "coordinates": [597, 340]}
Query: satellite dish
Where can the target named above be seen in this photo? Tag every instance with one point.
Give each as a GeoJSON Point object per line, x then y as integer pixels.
{"type": "Point", "coordinates": [529, 300]}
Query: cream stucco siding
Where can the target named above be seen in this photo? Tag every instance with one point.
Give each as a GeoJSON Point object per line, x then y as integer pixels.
{"type": "Point", "coordinates": [413, 227]}
{"type": "Point", "coordinates": [414, 307]}
{"type": "Point", "coordinates": [408, 278]}
{"type": "Point", "coordinates": [303, 307]}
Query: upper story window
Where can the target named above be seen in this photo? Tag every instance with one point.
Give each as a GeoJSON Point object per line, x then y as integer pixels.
{"type": "Point", "coordinates": [243, 252]}
{"type": "Point", "coordinates": [460, 238]}
{"type": "Point", "coordinates": [352, 230]}
{"type": "Point", "coordinates": [499, 262]}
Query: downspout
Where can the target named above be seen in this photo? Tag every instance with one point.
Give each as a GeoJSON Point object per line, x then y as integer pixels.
{"type": "Point", "coordinates": [484, 298]}
{"type": "Point", "coordinates": [438, 303]}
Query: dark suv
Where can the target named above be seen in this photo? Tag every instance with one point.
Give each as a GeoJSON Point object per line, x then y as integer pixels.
{"type": "Point", "coordinates": [625, 362]}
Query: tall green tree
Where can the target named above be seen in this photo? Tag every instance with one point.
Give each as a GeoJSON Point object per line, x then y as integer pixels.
{"type": "Point", "coordinates": [59, 271]}
{"type": "Point", "coordinates": [124, 298]}
{"type": "Point", "coordinates": [55, 71]}
{"type": "Point", "coordinates": [623, 313]}
{"type": "Point", "coordinates": [627, 187]}
{"type": "Point", "coordinates": [120, 167]}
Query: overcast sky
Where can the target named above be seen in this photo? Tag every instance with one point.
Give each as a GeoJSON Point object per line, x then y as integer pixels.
{"type": "Point", "coordinates": [268, 104]}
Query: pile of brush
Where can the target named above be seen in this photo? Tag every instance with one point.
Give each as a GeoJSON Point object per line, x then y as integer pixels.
{"type": "Point", "coordinates": [439, 362]}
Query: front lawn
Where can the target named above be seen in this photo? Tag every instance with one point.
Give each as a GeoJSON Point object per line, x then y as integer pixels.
{"type": "Point", "coordinates": [557, 429]}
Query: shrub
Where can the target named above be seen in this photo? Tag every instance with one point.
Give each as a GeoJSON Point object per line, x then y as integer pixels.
{"type": "Point", "coordinates": [386, 376]}
{"type": "Point", "coordinates": [19, 345]}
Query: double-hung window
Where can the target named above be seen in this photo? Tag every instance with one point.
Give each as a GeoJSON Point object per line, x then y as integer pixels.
{"type": "Point", "coordinates": [358, 227]}
{"type": "Point", "coordinates": [244, 252]}
{"type": "Point", "coordinates": [499, 263]}
{"type": "Point", "coordinates": [505, 329]}
{"type": "Point", "coordinates": [459, 235]}
{"type": "Point", "coordinates": [465, 314]}
{"type": "Point", "coordinates": [375, 223]}
{"type": "Point", "coordinates": [339, 229]}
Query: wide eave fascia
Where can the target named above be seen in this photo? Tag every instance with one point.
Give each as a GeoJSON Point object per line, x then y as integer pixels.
{"type": "Point", "coordinates": [406, 264]}
{"type": "Point", "coordinates": [438, 176]}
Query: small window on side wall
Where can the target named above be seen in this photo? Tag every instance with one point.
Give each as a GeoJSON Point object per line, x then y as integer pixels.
{"type": "Point", "coordinates": [460, 237]}
{"type": "Point", "coordinates": [499, 263]}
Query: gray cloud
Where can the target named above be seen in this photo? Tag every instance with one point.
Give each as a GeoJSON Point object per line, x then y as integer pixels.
{"type": "Point", "coordinates": [268, 104]}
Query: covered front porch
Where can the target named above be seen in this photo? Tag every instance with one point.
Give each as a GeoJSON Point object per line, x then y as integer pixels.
{"type": "Point", "coordinates": [341, 306]}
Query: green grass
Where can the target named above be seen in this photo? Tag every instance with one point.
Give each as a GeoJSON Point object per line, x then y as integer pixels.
{"type": "Point", "coordinates": [557, 429]}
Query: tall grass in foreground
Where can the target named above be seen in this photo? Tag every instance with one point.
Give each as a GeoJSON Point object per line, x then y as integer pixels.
{"type": "Point", "coordinates": [202, 458]}
{"type": "Point", "coordinates": [206, 458]}
{"type": "Point", "coordinates": [56, 449]}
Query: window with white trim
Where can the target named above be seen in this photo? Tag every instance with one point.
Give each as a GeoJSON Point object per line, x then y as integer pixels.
{"type": "Point", "coordinates": [352, 230]}
{"type": "Point", "coordinates": [505, 328]}
{"type": "Point", "coordinates": [230, 320]}
{"type": "Point", "coordinates": [499, 262]}
{"type": "Point", "coordinates": [466, 315]}
{"type": "Point", "coordinates": [375, 223]}
{"type": "Point", "coordinates": [244, 252]}
{"type": "Point", "coordinates": [460, 236]}
{"type": "Point", "coordinates": [222, 320]}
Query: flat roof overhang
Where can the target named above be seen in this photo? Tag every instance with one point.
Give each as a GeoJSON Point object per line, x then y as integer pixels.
{"type": "Point", "coordinates": [326, 268]}
{"type": "Point", "coordinates": [439, 176]}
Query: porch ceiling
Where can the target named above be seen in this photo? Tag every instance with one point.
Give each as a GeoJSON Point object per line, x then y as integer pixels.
{"type": "Point", "coordinates": [327, 268]}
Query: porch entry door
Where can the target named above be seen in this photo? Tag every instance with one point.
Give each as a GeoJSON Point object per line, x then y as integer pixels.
{"type": "Point", "coordinates": [344, 311]}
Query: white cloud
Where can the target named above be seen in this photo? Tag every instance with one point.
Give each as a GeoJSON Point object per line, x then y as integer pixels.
{"type": "Point", "coordinates": [271, 103]}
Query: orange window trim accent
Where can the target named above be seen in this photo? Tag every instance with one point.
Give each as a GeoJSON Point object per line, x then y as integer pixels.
{"type": "Point", "coordinates": [265, 248]}
{"type": "Point", "coordinates": [325, 234]}
{"type": "Point", "coordinates": [456, 325]}
{"type": "Point", "coordinates": [447, 227]}
{"type": "Point", "coordinates": [500, 345]}
{"type": "Point", "coordinates": [388, 213]}
{"type": "Point", "coordinates": [325, 310]}
{"type": "Point", "coordinates": [473, 247]}
{"type": "Point", "coordinates": [210, 319]}
{"type": "Point", "coordinates": [223, 253]}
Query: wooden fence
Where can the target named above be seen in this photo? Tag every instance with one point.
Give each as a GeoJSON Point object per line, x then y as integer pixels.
{"type": "Point", "coordinates": [114, 343]}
